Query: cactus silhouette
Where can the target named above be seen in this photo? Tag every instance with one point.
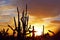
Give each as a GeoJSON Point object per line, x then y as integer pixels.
{"type": "Point", "coordinates": [16, 28]}
{"type": "Point", "coordinates": [51, 32]}
{"type": "Point", "coordinates": [33, 33]}
{"type": "Point", "coordinates": [19, 27]}
{"type": "Point", "coordinates": [24, 19]}
{"type": "Point", "coordinates": [4, 33]}
{"type": "Point", "coordinates": [12, 29]}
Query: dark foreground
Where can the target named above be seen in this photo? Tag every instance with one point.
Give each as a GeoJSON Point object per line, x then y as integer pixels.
{"type": "Point", "coordinates": [45, 37]}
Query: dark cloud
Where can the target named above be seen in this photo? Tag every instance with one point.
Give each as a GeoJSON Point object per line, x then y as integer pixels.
{"type": "Point", "coordinates": [44, 8]}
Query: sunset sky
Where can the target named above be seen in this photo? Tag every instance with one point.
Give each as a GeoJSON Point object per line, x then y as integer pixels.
{"type": "Point", "coordinates": [41, 12]}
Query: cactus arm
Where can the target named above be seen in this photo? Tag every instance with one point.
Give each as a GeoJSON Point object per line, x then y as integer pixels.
{"type": "Point", "coordinates": [51, 32]}
{"type": "Point", "coordinates": [15, 24]}
{"type": "Point", "coordinates": [7, 30]}
{"type": "Point", "coordinates": [10, 27]}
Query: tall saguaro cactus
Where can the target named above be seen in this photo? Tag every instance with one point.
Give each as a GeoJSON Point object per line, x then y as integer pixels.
{"type": "Point", "coordinates": [19, 27]}
{"type": "Point", "coordinates": [27, 17]}
{"type": "Point", "coordinates": [23, 24]}
{"type": "Point", "coordinates": [24, 20]}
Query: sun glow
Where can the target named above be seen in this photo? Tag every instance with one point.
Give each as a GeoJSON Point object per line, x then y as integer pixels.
{"type": "Point", "coordinates": [38, 29]}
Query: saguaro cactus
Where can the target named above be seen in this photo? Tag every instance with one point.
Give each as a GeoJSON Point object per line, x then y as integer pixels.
{"type": "Point", "coordinates": [15, 27]}
{"type": "Point", "coordinates": [23, 24]}
{"type": "Point", "coordinates": [43, 33]}
{"type": "Point", "coordinates": [18, 29]}
{"type": "Point", "coordinates": [33, 33]}
{"type": "Point", "coordinates": [24, 20]}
